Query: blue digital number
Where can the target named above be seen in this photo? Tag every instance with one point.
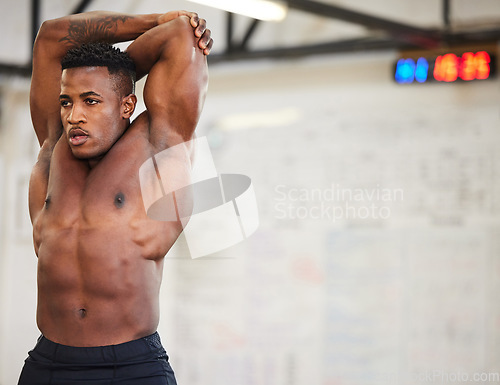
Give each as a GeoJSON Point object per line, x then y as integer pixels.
{"type": "Point", "coordinates": [407, 71]}
{"type": "Point", "coordinates": [422, 70]}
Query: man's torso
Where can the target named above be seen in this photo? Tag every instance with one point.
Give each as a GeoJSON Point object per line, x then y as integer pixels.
{"type": "Point", "coordinates": [99, 257]}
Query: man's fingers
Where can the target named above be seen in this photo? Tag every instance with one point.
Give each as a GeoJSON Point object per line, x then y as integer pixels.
{"type": "Point", "coordinates": [202, 26]}
{"type": "Point", "coordinates": [195, 20]}
{"type": "Point", "coordinates": [205, 39]}
{"type": "Point", "coordinates": [200, 30]}
{"type": "Point", "coordinates": [207, 50]}
{"type": "Point", "coordinates": [169, 16]}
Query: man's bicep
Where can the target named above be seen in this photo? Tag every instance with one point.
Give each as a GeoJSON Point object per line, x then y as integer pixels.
{"type": "Point", "coordinates": [175, 91]}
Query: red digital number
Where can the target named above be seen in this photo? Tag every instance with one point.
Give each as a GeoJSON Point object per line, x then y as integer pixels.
{"type": "Point", "coordinates": [475, 66]}
{"type": "Point", "coordinates": [446, 68]}
{"type": "Point", "coordinates": [482, 65]}
{"type": "Point", "coordinates": [469, 66]}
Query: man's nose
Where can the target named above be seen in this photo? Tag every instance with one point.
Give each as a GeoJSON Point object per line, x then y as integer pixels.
{"type": "Point", "coordinates": [76, 115]}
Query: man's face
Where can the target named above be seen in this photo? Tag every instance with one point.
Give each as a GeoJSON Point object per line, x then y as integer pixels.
{"type": "Point", "coordinates": [92, 113]}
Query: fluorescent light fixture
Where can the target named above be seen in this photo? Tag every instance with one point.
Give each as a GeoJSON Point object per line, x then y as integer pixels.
{"type": "Point", "coordinates": [257, 9]}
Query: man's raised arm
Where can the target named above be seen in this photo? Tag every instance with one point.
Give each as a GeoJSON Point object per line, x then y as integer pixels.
{"type": "Point", "coordinates": [174, 59]}
{"type": "Point", "coordinates": [54, 39]}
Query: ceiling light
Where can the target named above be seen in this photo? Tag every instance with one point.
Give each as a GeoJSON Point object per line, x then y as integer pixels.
{"type": "Point", "coordinates": [257, 9]}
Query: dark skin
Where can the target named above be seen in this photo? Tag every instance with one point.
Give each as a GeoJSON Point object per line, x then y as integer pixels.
{"type": "Point", "coordinates": [100, 258]}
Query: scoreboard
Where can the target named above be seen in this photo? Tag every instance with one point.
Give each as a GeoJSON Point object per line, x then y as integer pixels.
{"type": "Point", "coordinates": [447, 67]}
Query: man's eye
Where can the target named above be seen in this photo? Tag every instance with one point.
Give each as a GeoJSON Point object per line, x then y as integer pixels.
{"type": "Point", "coordinates": [91, 101]}
{"type": "Point", "coordinates": [65, 103]}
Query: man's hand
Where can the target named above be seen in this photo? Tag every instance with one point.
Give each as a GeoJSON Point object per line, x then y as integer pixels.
{"type": "Point", "coordinates": [200, 25]}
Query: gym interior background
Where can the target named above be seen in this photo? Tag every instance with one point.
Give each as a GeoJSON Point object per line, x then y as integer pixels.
{"type": "Point", "coordinates": [377, 258]}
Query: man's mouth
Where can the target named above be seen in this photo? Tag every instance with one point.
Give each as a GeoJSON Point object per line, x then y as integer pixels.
{"type": "Point", "coordinates": [77, 136]}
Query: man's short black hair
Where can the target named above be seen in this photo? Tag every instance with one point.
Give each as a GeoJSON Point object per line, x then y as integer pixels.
{"type": "Point", "coordinates": [104, 55]}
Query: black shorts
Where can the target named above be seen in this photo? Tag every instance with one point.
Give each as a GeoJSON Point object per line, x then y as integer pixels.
{"type": "Point", "coordinates": [139, 362]}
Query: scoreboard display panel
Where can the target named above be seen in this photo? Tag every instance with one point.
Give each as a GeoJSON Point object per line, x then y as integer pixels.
{"type": "Point", "coordinates": [447, 67]}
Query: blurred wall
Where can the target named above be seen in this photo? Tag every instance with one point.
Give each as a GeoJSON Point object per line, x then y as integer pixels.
{"type": "Point", "coordinates": [376, 260]}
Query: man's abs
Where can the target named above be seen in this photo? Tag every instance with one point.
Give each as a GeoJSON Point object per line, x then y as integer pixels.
{"type": "Point", "coordinates": [95, 288]}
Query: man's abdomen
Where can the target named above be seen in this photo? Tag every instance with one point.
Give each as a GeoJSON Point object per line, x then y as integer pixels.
{"type": "Point", "coordinates": [95, 287]}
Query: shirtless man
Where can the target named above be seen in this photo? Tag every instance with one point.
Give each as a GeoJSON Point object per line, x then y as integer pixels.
{"type": "Point", "coordinates": [100, 258]}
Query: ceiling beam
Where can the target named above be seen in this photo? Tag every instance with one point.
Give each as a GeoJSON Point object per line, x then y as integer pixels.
{"type": "Point", "coordinates": [350, 45]}
{"type": "Point", "coordinates": [249, 33]}
{"type": "Point", "coordinates": [82, 6]}
{"type": "Point", "coordinates": [344, 46]}
{"type": "Point", "coordinates": [446, 14]}
{"type": "Point", "coordinates": [35, 19]}
{"type": "Point", "coordinates": [239, 51]}
{"type": "Point", "coordinates": [458, 40]}
{"type": "Point", "coordinates": [15, 69]}
{"type": "Point", "coordinates": [229, 31]}
{"type": "Point", "coordinates": [403, 32]}
{"type": "Point", "coordinates": [483, 36]}
{"type": "Point", "coordinates": [231, 44]}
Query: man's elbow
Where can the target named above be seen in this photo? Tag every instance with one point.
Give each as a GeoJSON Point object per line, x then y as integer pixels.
{"type": "Point", "coordinates": [184, 33]}
{"type": "Point", "coordinates": [48, 34]}
{"type": "Point", "coordinates": [47, 31]}
{"type": "Point", "coordinates": [48, 41]}
{"type": "Point", "coordinates": [182, 43]}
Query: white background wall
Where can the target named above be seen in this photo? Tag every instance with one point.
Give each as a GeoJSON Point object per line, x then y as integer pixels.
{"type": "Point", "coordinates": [315, 300]}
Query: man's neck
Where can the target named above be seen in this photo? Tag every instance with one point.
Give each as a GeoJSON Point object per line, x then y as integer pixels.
{"type": "Point", "coordinates": [94, 161]}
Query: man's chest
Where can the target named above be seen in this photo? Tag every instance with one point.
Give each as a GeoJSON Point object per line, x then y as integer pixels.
{"type": "Point", "coordinates": [110, 190]}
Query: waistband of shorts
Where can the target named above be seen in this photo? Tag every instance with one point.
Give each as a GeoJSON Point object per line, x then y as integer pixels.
{"type": "Point", "coordinates": [99, 354]}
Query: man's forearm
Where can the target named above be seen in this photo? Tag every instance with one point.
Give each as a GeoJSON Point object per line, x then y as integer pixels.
{"type": "Point", "coordinates": [70, 31]}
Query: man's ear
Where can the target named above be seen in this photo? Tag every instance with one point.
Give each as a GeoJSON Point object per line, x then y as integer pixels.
{"type": "Point", "coordinates": [128, 105]}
